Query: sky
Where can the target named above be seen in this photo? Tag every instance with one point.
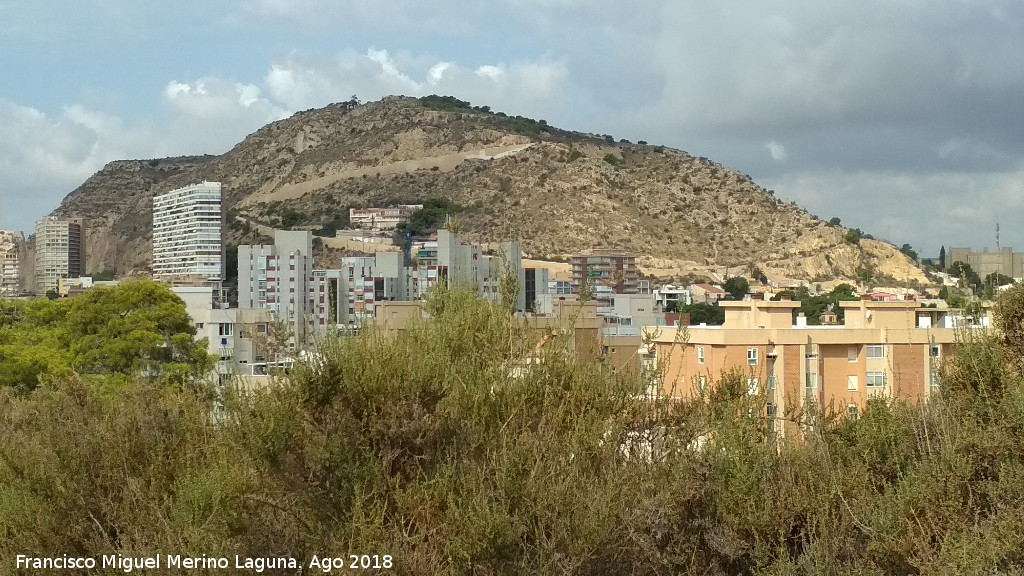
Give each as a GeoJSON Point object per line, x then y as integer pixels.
{"type": "Point", "coordinates": [904, 118]}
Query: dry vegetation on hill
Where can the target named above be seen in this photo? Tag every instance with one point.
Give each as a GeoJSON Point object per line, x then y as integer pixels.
{"type": "Point", "coordinates": [559, 192]}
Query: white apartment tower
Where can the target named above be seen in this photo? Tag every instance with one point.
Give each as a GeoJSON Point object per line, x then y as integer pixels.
{"type": "Point", "coordinates": [187, 233]}
{"type": "Point", "coordinates": [275, 277]}
{"type": "Point", "coordinates": [60, 252]}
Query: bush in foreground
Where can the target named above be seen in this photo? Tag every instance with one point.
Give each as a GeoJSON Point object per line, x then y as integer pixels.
{"type": "Point", "coordinates": [445, 448]}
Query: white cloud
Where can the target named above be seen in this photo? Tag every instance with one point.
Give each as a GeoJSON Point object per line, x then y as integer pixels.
{"type": "Point", "coordinates": [775, 150]}
{"type": "Point", "coordinates": [436, 72]}
{"type": "Point", "coordinates": [212, 114]}
{"type": "Point", "coordinates": [301, 81]}
{"type": "Point", "coordinates": [43, 157]}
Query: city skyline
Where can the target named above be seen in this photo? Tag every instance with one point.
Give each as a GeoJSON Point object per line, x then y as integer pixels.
{"type": "Point", "coordinates": [876, 114]}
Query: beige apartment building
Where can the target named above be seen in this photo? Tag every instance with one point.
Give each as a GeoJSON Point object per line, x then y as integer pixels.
{"type": "Point", "coordinates": [1004, 261]}
{"type": "Point", "coordinates": [60, 252]}
{"type": "Point", "coordinates": [11, 246]}
{"type": "Point", "coordinates": [885, 349]}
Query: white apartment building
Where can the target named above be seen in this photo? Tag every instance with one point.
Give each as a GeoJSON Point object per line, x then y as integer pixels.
{"type": "Point", "coordinates": [60, 252]}
{"type": "Point", "coordinates": [379, 219]}
{"type": "Point", "coordinates": [187, 233]}
{"type": "Point", "coordinates": [672, 294]}
{"type": "Point", "coordinates": [232, 336]}
{"type": "Point", "coordinates": [11, 244]}
{"type": "Point", "coordinates": [276, 277]}
{"type": "Point", "coordinates": [367, 280]}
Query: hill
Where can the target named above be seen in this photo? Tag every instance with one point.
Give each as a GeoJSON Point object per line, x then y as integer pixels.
{"type": "Point", "coordinates": [559, 192]}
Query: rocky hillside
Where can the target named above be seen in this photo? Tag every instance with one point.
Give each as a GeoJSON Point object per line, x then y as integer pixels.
{"type": "Point", "coordinates": [558, 192]}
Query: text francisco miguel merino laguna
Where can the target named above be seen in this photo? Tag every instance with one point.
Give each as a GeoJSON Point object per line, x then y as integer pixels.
{"type": "Point", "coordinates": [127, 564]}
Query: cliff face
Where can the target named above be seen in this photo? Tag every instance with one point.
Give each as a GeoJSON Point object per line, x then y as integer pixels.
{"type": "Point", "coordinates": [559, 192]}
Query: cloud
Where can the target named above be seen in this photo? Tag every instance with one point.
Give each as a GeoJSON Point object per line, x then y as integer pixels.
{"type": "Point", "coordinates": [944, 208]}
{"type": "Point", "coordinates": [43, 157]}
{"type": "Point", "coordinates": [775, 150]}
{"type": "Point", "coordinates": [212, 114]}
{"type": "Point", "coordinates": [300, 81]}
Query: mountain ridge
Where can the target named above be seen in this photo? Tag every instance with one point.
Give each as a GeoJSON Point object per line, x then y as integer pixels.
{"type": "Point", "coordinates": [559, 192]}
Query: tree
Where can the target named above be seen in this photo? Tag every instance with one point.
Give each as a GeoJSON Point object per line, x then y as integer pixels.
{"type": "Point", "coordinates": [942, 257]}
{"type": "Point", "coordinates": [137, 329]}
{"type": "Point", "coordinates": [993, 281]}
{"type": "Point", "coordinates": [997, 279]}
{"type": "Point", "coordinates": [841, 293]}
{"type": "Point", "coordinates": [757, 274]}
{"type": "Point", "coordinates": [736, 287]}
{"type": "Point", "coordinates": [968, 277]}
{"type": "Point", "coordinates": [701, 313]}
{"type": "Point", "coordinates": [909, 252]}
{"type": "Point", "coordinates": [853, 236]}
{"type": "Point", "coordinates": [834, 221]}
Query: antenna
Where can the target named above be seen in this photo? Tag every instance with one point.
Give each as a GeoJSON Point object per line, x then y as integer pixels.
{"type": "Point", "coordinates": [997, 236]}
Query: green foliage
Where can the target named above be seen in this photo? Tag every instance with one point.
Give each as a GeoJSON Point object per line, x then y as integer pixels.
{"type": "Point", "coordinates": [135, 329]}
{"type": "Point", "coordinates": [448, 103]}
{"type": "Point", "coordinates": [428, 219]}
{"type": "Point", "coordinates": [835, 221]}
{"type": "Point", "coordinates": [993, 281]}
{"type": "Point", "coordinates": [445, 448]}
{"type": "Point", "coordinates": [909, 252]}
{"type": "Point", "coordinates": [813, 307]}
{"type": "Point", "coordinates": [853, 236]}
{"type": "Point", "coordinates": [612, 159]}
{"type": "Point", "coordinates": [968, 277]}
{"type": "Point", "coordinates": [702, 313]}
{"type": "Point", "coordinates": [736, 287]}
{"type": "Point", "coordinates": [290, 217]}
{"type": "Point", "coordinates": [574, 154]}
{"type": "Point", "coordinates": [106, 275]}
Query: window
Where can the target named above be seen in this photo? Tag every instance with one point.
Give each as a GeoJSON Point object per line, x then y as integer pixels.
{"type": "Point", "coordinates": [700, 354]}
{"type": "Point", "coordinates": [875, 380]}
{"type": "Point", "coordinates": [874, 351]}
{"type": "Point", "coordinates": [752, 356]}
{"type": "Point", "coordinates": [752, 386]}
{"type": "Point", "coordinates": [771, 382]}
{"type": "Point", "coordinates": [225, 330]}
{"type": "Point", "coordinates": [851, 383]}
{"type": "Point", "coordinates": [851, 411]}
{"type": "Point", "coordinates": [851, 354]}
{"type": "Point", "coordinates": [936, 350]}
{"type": "Point", "coordinates": [702, 383]}
{"type": "Point", "coordinates": [770, 410]}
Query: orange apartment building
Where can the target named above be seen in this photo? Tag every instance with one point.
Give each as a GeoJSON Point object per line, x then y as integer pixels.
{"type": "Point", "coordinates": [884, 349]}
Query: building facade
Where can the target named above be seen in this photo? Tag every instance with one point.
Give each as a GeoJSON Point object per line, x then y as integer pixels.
{"type": "Point", "coordinates": [11, 246]}
{"type": "Point", "coordinates": [884, 349]}
{"type": "Point", "coordinates": [607, 272]}
{"type": "Point", "coordinates": [1004, 261]}
{"type": "Point", "coordinates": [187, 226]}
{"type": "Point", "coordinates": [60, 252]}
{"type": "Point", "coordinates": [276, 277]}
{"type": "Point", "coordinates": [237, 338]}
{"type": "Point", "coordinates": [381, 219]}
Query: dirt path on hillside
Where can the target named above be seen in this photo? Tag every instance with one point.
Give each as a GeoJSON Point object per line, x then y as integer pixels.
{"type": "Point", "coordinates": [444, 163]}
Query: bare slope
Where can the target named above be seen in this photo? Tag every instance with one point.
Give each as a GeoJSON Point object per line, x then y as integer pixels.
{"type": "Point", "coordinates": [559, 192]}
